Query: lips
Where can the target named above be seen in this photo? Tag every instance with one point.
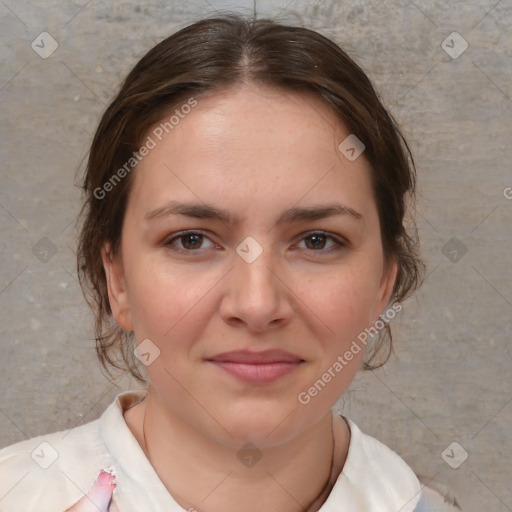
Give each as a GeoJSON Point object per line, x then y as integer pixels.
{"type": "Point", "coordinates": [257, 367]}
{"type": "Point", "coordinates": [265, 357]}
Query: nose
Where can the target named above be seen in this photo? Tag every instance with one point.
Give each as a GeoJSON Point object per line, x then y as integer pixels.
{"type": "Point", "coordinates": [256, 295]}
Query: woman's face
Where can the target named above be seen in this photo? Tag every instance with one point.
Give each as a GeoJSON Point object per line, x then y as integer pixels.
{"type": "Point", "coordinates": [282, 264]}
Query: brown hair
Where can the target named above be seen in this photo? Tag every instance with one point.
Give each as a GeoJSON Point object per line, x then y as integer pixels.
{"type": "Point", "coordinates": [213, 54]}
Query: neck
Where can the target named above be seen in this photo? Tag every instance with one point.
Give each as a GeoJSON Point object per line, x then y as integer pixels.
{"type": "Point", "coordinates": [205, 475]}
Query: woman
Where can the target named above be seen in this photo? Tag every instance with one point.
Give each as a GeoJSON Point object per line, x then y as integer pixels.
{"type": "Point", "coordinates": [243, 238]}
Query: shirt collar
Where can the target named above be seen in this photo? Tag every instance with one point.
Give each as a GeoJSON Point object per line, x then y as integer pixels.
{"type": "Point", "coordinates": [373, 479]}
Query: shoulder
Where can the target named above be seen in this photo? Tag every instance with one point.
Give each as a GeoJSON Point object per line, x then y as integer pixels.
{"type": "Point", "coordinates": [377, 479]}
{"type": "Point", "coordinates": [48, 472]}
{"type": "Point", "coordinates": [62, 440]}
{"type": "Point", "coordinates": [374, 478]}
{"type": "Point", "coordinates": [380, 461]}
{"type": "Point", "coordinates": [436, 497]}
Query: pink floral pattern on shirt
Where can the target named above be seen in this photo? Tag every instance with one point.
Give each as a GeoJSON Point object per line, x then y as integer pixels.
{"type": "Point", "coordinates": [100, 497]}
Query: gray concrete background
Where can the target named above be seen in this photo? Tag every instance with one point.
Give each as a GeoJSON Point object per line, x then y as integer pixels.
{"type": "Point", "coordinates": [450, 379]}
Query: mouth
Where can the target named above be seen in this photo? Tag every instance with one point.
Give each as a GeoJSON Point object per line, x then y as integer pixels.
{"type": "Point", "coordinates": [257, 367]}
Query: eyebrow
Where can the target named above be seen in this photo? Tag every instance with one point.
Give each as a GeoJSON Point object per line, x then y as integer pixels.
{"type": "Point", "coordinates": [294, 214]}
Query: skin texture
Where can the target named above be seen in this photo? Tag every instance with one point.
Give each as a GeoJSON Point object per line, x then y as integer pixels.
{"type": "Point", "coordinates": [255, 152]}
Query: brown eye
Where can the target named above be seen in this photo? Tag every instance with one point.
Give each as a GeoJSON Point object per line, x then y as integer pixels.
{"type": "Point", "coordinates": [316, 241]}
{"type": "Point", "coordinates": [321, 242]}
{"type": "Point", "coordinates": [191, 240]}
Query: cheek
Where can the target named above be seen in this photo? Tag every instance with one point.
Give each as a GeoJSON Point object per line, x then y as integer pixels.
{"type": "Point", "coordinates": [168, 304]}
{"type": "Point", "coordinates": [342, 300]}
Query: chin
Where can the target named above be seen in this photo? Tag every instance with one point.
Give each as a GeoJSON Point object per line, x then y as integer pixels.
{"type": "Point", "coordinates": [263, 427]}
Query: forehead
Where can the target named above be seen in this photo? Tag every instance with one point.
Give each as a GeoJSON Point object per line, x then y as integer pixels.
{"type": "Point", "coordinates": [246, 118]}
{"type": "Point", "coordinates": [252, 144]}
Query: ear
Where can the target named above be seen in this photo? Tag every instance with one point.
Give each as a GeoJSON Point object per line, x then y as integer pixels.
{"type": "Point", "coordinates": [386, 285]}
{"type": "Point", "coordinates": [116, 286]}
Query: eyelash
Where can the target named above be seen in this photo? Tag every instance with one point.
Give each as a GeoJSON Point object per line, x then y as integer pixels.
{"type": "Point", "coordinates": [340, 244]}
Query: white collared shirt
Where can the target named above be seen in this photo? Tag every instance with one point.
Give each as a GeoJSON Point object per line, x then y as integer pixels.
{"type": "Point", "coordinates": [51, 473]}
